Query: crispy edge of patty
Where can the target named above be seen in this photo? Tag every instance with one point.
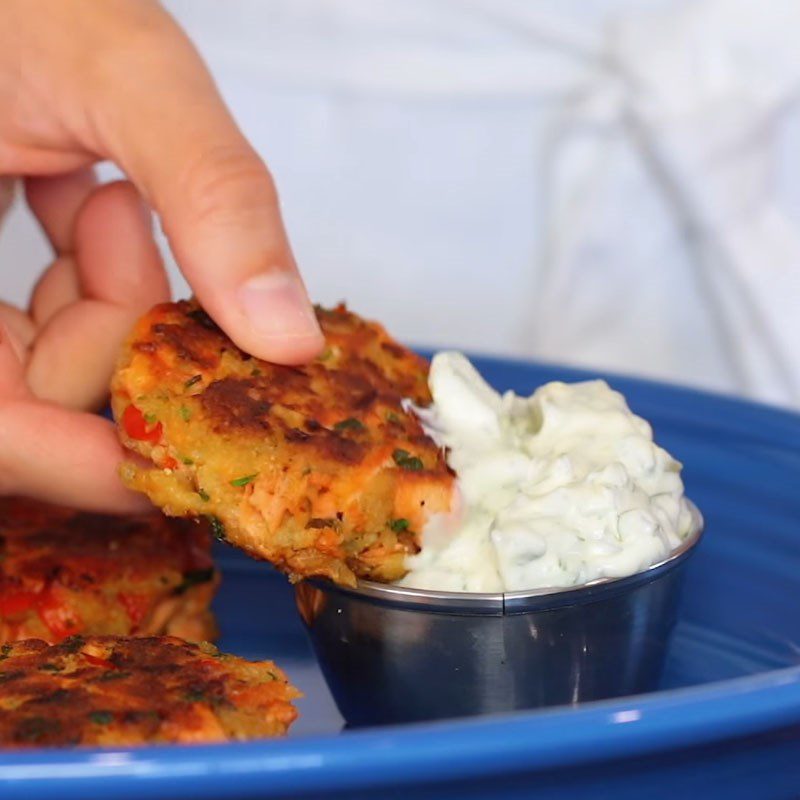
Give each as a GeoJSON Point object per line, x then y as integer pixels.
{"type": "Point", "coordinates": [111, 691]}
{"type": "Point", "coordinates": [66, 572]}
{"type": "Point", "coordinates": [321, 469]}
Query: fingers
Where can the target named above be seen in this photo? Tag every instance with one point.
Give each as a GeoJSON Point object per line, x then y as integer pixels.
{"type": "Point", "coordinates": [57, 288]}
{"type": "Point", "coordinates": [119, 79]}
{"type": "Point", "coordinates": [55, 202]}
{"type": "Point", "coordinates": [118, 261]}
{"type": "Point", "coordinates": [62, 456]}
{"type": "Point", "coordinates": [52, 453]}
{"type": "Point", "coordinates": [120, 274]}
{"type": "Point", "coordinates": [19, 324]}
{"type": "Point", "coordinates": [12, 371]}
{"type": "Point", "coordinates": [215, 197]}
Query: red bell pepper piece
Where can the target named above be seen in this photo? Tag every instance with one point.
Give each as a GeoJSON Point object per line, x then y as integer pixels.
{"type": "Point", "coordinates": [136, 426]}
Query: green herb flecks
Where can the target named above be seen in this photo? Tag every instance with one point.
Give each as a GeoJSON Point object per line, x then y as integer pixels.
{"type": "Point", "coordinates": [186, 413]}
{"type": "Point", "coordinates": [349, 424]}
{"type": "Point", "coordinates": [192, 381]}
{"type": "Point", "coordinates": [405, 460]}
{"type": "Point", "coordinates": [244, 480]}
{"type": "Point", "coordinates": [150, 418]}
{"type": "Point", "coordinates": [204, 496]}
{"type": "Point", "coordinates": [398, 525]}
{"type": "Point", "coordinates": [255, 372]}
{"type": "Point", "coordinates": [392, 417]}
{"type": "Point", "coordinates": [187, 461]}
{"type": "Point", "coordinates": [101, 717]}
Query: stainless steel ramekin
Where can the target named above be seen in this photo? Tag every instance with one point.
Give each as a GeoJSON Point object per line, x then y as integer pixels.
{"type": "Point", "coordinates": [391, 654]}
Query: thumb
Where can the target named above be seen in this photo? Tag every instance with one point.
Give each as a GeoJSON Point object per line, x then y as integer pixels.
{"type": "Point", "coordinates": [164, 122]}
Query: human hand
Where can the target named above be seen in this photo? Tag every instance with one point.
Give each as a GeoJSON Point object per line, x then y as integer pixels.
{"type": "Point", "coordinates": [82, 81]}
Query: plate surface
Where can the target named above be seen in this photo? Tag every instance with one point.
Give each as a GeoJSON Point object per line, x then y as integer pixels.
{"type": "Point", "coordinates": [726, 722]}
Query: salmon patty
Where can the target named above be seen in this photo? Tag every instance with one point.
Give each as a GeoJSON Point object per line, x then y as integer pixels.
{"type": "Point", "coordinates": [320, 469]}
{"type": "Point", "coordinates": [64, 572]}
{"type": "Point", "coordinates": [112, 691]}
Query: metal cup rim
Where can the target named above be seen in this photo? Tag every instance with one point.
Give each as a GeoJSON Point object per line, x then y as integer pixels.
{"type": "Point", "coordinates": [499, 603]}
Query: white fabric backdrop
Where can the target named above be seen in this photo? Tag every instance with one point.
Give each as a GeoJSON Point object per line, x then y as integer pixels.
{"type": "Point", "coordinates": [607, 183]}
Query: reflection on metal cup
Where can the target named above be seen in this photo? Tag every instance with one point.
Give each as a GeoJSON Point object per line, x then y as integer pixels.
{"type": "Point", "coordinates": [391, 654]}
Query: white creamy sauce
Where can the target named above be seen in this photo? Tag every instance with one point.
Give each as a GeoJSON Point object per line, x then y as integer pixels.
{"type": "Point", "coordinates": [554, 490]}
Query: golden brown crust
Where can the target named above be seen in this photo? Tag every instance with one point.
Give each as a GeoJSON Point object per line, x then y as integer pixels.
{"type": "Point", "coordinates": [64, 572]}
{"type": "Point", "coordinates": [112, 691]}
{"type": "Point", "coordinates": [319, 469]}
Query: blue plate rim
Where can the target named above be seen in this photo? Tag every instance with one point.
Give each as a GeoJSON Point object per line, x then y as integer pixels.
{"type": "Point", "coordinates": [530, 741]}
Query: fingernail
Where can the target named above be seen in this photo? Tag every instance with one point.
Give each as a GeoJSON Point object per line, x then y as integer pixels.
{"type": "Point", "coordinates": [277, 307]}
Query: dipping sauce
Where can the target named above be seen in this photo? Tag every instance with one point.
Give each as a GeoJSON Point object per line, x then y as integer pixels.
{"type": "Point", "coordinates": [555, 490]}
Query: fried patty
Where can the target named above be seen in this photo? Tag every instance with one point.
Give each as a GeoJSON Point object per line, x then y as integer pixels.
{"type": "Point", "coordinates": [63, 572]}
{"type": "Point", "coordinates": [112, 691]}
{"type": "Point", "coordinates": [319, 469]}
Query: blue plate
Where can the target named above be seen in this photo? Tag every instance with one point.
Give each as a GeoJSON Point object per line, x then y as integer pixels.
{"type": "Point", "coordinates": [726, 722]}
